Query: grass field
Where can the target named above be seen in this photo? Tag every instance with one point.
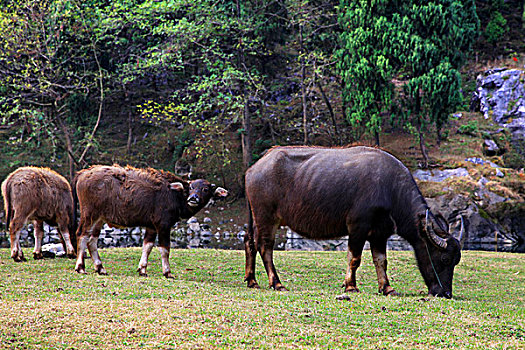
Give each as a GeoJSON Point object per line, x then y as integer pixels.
{"type": "Point", "coordinates": [45, 305]}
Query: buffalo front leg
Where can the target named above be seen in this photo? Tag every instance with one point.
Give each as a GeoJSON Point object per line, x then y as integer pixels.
{"type": "Point", "coordinates": [380, 263]}
{"type": "Point", "coordinates": [251, 254]}
{"type": "Point", "coordinates": [355, 250]}
{"type": "Point", "coordinates": [147, 246]}
{"type": "Point", "coordinates": [265, 242]}
{"type": "Point", "coordinates": [164, 249]}
{"type": "Point", "coordinates": [39, 235]}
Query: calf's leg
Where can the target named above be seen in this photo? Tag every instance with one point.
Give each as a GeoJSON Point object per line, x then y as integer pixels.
{"type": "Point", "coordinates": [63, 230]}
{"type": "Point", "coordinates": [93, 249]}
{"type": "Point", "coordinates": [147, 246]}
{"type": "Point", "coordinates": [38, 227]}
{"type": "Point", "coordinates": [14, 235]}
{"type": "Point", "coordinates": [164, 248]}
{"type": "Point", "coordinates": [82, 242]}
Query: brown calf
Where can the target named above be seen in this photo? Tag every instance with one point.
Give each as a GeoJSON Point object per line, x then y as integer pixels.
{"type": "Point", "coordinates": [41, 195]}
{"type": "Point", "coordinates": [129, 197]}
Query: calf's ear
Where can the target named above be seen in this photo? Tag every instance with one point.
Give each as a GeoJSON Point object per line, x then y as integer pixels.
{"type": "Point", "coordinates": [220, 193]}
{"type": "Point", "coordinates": [177, 186]}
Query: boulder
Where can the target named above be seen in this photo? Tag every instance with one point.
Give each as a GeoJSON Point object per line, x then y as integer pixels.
{"type": "Point", "coordinates": [501, 92]}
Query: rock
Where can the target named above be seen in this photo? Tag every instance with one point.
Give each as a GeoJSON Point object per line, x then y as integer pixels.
{"type": "Point", "coordinates": [439, 175]}
{"type": "Point", "coordinates": [490, 148]}
{"type": "Point", "coordinates": [502, 92]}
{"type": "Point", "coordinates": [52, 250]}
{"type": "Point", "coordinates": [195, 227]}
{"type": "Point", "coordinates": [206, 220]}
{"type": "Point", "coordinates": [480, 230]}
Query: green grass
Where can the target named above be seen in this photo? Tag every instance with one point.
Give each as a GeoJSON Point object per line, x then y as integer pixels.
{"type": "Point", "coordinates": [46, 305]}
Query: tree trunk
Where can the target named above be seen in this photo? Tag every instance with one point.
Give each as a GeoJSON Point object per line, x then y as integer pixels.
{"type": "Point", "coordinates": [69, 147]}
{"type": "Point", "coordinates": [330, 109]}
{"type": "Point", "coordinates": [422, 147]}
{"type": "Point", "coordinates": [130, 133]}
{"type": "Point", "coordinates": [303, 88]}
{"type": "Point", "coordinates": [246, 135]}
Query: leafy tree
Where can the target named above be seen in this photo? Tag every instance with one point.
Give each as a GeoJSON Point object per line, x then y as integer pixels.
{"type": "Point", "coordinates": [313, 35]}
{"type": "Point", "coordinates": [366, 61]}
{"type": "Point", "coordinates": [437, 36]}
{"type": "Point", "coordinates": [49, 69]}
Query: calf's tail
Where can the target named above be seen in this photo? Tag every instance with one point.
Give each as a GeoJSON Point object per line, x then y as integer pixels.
{"type": "Point", "coordinates": [74, 216]}
{"type": "Point", "coordinates": [6, 191]}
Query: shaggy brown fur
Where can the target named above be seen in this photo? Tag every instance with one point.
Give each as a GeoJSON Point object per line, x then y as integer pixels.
{"type": "Point", "coordinates": [41, 195]}
{"type": "Point", "coordinates": [129, 197]}
{"type": "Point", "coordinates": [362, 192]}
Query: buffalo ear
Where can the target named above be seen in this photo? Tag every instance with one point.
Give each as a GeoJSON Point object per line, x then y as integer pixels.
{"type": "Point", "coordinates": [220, 193]}
{"type": "Point", "coordinates": [176, 186]}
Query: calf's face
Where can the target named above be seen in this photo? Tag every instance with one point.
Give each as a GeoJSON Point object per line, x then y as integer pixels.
{"type": "Point", "coordinates": [201, 191]}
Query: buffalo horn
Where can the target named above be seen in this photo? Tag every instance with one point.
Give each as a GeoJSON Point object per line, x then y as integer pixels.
{"type": "Point", "coordinates": [461, 232]}
{"type": "Point", "coordinates": [438, 241]}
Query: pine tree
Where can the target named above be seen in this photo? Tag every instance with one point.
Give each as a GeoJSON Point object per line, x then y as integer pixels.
{"type": "Point", "coordinates": [438, 34]}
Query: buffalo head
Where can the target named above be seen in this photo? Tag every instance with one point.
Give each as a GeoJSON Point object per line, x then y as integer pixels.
{"type": "Point", "coordinates": [439, 255]}
{"type": "Point", "coordinates": [200, 192]}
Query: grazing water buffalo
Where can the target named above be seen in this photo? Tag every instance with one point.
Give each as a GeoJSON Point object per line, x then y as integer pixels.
{"type": "Point", "coordinates": [41, 195]}
{"type": "Point", "coordinates": [362, 192]}
{"type": "Point", "coordinates": [129, 197]}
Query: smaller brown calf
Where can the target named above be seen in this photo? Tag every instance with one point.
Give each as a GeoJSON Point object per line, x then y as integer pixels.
{"type": "Point", "coordinates": [41, 195]}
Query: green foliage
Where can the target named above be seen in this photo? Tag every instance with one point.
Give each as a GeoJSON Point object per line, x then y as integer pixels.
{"type": "Point", "coordinates": [496, 28]}
{"type": "Point", "coordinates": [471, 128]}
{"type": "Point", "coordinates": [366, 61]}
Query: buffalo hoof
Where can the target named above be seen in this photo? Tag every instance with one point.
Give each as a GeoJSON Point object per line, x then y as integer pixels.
{"type": "Point", "coordinates": [38, 256]}
{"type": "Point", "coordinates": [352, 290]}
{"type": "Point", "coordinates": [19, 259]}
{"type": "Point", "coordinates": [253, 284]}
{"type": "Point", "coordinates": [280, 288]}
{"type": "Point", "coordinates": [343, 297]}
{"type": "Point", "coordinates": [392, 293]}
{"type": "Point", "coordinates": [72, 256]}
{"type": "Point", "coordinates": [101, 270]}
{"type": "Point", "coordinates": [169, 275]}
{"type": "Point", "coordinates": [143, 274]}
{"type": "Point", "coordinates": [388, 291]}
{"type": "Point", "coordinates": [80, 270]}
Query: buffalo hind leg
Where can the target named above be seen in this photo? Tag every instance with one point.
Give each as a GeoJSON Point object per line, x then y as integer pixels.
{"type": "Point", "coordinates": [265, 242]}
{"type": "Point", "coordinates": [93, 248]}
{"type": "Point", "coordinates": [82, 242]}
{"type": "Point", "coordinates": [14, 235]}
{"type": "Point", "coordinates": [355, 250]}
{"type": "Point", "coordinates": [65, 235]}
{"type": "Point", "coordinates": [86, 240]}
{"type": "Point", "coordinates": [147, 246]}
{"type": "Point", "coordinates": [38, 227]}
{"type": "Point", "coordinates": [380, 262]}
{"type": "Point", "coordinates": [251, 254]}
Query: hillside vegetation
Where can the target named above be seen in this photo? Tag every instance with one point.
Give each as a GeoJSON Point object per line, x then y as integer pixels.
{"type": "Point", "coordinates": [46, 305]}
{"type": "Point", "coordinates": [207, 87]}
